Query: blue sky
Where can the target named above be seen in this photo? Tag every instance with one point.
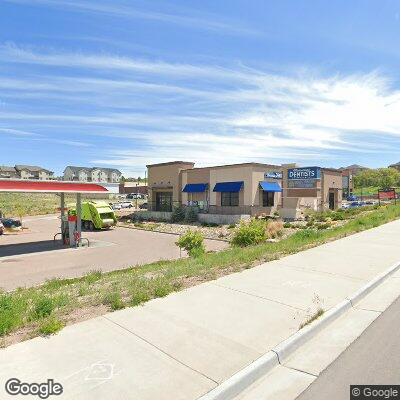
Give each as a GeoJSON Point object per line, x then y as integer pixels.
{"type": "Point", "coordinates": [126, 83]}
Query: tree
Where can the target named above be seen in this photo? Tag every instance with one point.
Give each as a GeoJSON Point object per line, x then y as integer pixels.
{"type": "Point", "coordinates": [380, 177]}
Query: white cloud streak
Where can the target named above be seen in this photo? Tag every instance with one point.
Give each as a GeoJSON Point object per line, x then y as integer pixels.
{"type": "Point", "coordinates": [162, 111]}
{"type": "Point", "coordinates": [131, 11]}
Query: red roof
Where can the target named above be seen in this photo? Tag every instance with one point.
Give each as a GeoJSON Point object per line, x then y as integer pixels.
{"type": "Point", "coordinates": [9, 185]}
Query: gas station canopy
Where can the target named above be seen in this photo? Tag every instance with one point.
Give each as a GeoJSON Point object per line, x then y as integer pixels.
{"type": "Point", "coordinates": [27, 186]}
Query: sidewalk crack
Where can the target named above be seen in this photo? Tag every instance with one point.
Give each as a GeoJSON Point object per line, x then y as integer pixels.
{"type": "Point", "coordinates": [259, 297]}
{"type": "Point", "coordinates": [161, 350]}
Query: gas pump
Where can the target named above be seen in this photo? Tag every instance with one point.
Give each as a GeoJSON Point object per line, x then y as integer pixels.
{"type": "Point", "coordinates": [72, 231]}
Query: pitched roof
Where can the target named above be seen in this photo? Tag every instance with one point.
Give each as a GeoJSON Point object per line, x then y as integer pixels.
{"type": "Point", "coordinates": [76, 170]}
{"type": "Point", "coordinates": [32, 168]}
{"type": "Point", "coordinates": [397, 164]}
{"type": "Point", "coordinates": [5, 168]}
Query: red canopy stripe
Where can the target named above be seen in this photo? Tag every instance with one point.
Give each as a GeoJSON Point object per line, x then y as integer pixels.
{"type": "Point", "coordinates": [8, 185]}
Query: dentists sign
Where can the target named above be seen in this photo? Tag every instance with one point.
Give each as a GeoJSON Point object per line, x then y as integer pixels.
{"type": "Point", "coordinates": [303, 178]}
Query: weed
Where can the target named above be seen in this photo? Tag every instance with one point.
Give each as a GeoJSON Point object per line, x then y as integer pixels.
{"type": "Point", "coordinates": [93, 276]}
{"type": "Point", "coordinates": [114, 300]}
{"type": "Point", "coordinates": [312, 318]}
{"type": "Point", "coordinates": [43, 307]}
{"type": "Point", "coordinates": [50, 326]}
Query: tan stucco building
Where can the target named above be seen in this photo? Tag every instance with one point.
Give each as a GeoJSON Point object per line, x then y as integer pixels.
{"type": "Point", "coordinates": [243, 189]}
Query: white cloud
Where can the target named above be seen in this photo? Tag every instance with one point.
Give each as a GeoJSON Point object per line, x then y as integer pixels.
{"type": "Point", "coordinates": [157, 111]}
{"type": "Point", "coordinates": [190, 19]}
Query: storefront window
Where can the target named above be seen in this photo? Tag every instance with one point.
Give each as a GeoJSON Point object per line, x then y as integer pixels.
{"type": "Point", "coordinates": [230, 199]}
{"type": "Point", "coordinates": [164, 201]}
{"type": "Point", "coordinates": [268, 199]}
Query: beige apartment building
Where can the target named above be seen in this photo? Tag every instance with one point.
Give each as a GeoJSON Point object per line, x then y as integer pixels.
{"type": "Point", "coordinates": [247, 189]}
{"type": "Point", "coordinates": [25, 172]}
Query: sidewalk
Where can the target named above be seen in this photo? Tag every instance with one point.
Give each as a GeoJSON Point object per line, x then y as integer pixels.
{"type": "Point", "coordinates": [182, 346]}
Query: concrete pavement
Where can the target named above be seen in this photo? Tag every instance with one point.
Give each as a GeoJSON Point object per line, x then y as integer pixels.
{"type": "Point", "coordinates": [373, 359]}
{"type": "Point", "coordinates": [184, 345]}
{"type": "Point", "coordinates": [31, 258]}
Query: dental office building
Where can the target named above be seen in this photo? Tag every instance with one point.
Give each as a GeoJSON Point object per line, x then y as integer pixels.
{"type": "Point", "coordinates": [242, 190]}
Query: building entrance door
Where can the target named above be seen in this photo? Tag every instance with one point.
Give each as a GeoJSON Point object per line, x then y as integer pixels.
{"type": "Point", "coordinates": [164, 201]}
{"type": "Point", "coordinates": [331, 200]}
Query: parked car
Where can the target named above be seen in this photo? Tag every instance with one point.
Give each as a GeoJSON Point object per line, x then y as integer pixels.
{"type": "Point", "coordinates": [143, 206]}
{"type": "Point", "coordinates": [116, 206]}
{"type": "Point", "coordinates": [135, 196]}
{"type": "Point", "coordinates": [352, 197]}
{"type": "Point", "coordinates": [126, 204]}
{"type": "Point", "coordinates": [10, 223]}
{"type": "Point", "coordinates": [1, 228]}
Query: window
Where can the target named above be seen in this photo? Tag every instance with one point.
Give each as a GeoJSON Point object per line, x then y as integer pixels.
{"type": "Point", "coordinates": [230, 199]}
{"type": "Point", "coordinates": [163, 201]}
{"type": "Point", "coordinates": [268, 199]}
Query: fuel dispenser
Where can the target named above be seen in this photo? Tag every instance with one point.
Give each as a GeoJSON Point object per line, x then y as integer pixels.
{"type": "Point", "coordinates": [70, 233]}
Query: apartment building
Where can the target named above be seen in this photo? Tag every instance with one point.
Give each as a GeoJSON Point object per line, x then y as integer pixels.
{"type": "Point", "coordinates": [25, 172]}
{"type": "Point", "coordinates": [95, 174]}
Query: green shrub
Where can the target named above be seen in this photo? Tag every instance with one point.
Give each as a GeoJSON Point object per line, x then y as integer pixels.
{"type": "Point", "coordinates": [139, 296]}
{"type": "Point", "coordinates": [178, 214]}
{"type": "Point", "coordinates": [114, 300]}
{"type": "Point", "coordinates": [287, 225]}
{"type": "Point", "coordinates": [192, 242]}
{"type": "Point", "coordinates": [209, 224]}
{"type": "Point", "coordinates": [93, 276]}
{"type": "Point", "coordinates": [43, 307]}
{"type": "Point", "coordinates": [324, 225]}
{"type": "Point", "coordinates": [337, 216]}
{"type": "Point", "coordinates": [50, 326]}
{"type": "Point", "coordinates": [191, 214]}
{"type": "Point", "coordinates": [249, 233]}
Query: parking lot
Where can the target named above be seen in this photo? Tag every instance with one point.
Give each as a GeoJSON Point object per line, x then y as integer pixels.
{"type": "Point", "coordinates": [31, 257]}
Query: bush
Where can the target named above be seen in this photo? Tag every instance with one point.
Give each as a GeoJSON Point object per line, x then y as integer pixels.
{"type": "Point", "coordinates": [43, 307]}
{"type": "Point", "coordinates": [192, 242]}
{"type": "Point", "coordinates": [50, 326]}
{"type": "Point", "coordinates": [114, 300]}
{"type": "Point", "coordinates": [178, 215]}
{"type": "Point", "coordinates": [249, 233]}
{"type": "Point", "coordinates": [337, 216]}
{"type": "Point", "coordinates": [274, 229]}
{"type": "Point", "coordinates": [191, 214]}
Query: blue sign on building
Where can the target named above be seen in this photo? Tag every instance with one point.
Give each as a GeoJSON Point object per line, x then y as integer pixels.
{"type": "Point", "coordinates": [306, 173]}
{"type": "Point", "coordinates": [273, 175]}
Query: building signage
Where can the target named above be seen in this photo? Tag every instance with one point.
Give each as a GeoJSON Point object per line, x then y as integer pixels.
{"type": "Point", "coordinates": [273, 175]}
{"type": "Point", "coordinates": [301, 184]}
{"type": "Point", "coordinates": [307, 173]}
{"type": "Point", "coordinates": [387, 194]}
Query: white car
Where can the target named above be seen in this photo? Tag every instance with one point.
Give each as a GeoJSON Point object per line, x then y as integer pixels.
{"type": "Point", "coordinates": [116, 206]}
{"type": "Point", "coordinates": [1, 228]}
{"type": "Point", "coordinates": [126, 204]}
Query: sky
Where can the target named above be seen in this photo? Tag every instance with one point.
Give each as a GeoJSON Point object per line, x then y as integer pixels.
{"type": "Point", "coordinates": [125, 83]}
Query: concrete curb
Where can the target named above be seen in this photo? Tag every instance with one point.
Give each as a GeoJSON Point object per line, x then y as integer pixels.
{"type": "Point", "coordinates": [243, 379]}
{"type": "Point", "coordinates": [169, 233]}
{"type": "Point", "coordinates": [292, 343]}
{"type": "Point", "coordinates": [233, 386]}
{"type": "Point", "coordinates": [361, 293]}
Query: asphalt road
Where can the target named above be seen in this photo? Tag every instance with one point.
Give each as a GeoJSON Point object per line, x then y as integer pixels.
{"type": "Point", "coordinates": [373, 359]}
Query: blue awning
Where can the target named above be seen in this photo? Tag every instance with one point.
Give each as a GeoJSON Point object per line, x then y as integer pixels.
{"type": "Point", "coordinates": [195, 187]}
{"type": "Point", "coordinates": [228, 186]}
{"type": "Point", "coordinates": [270, 187]}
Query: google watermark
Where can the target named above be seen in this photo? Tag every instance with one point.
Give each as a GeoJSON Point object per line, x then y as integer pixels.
{"type": "Point", "coordinates": [42, 390]}
{"type": "Point", "coordinates": [375, 392]}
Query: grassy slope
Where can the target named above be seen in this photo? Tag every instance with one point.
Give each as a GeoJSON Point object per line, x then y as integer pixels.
{"type": "Point", "coordinates": [22, 204]}
{"type": "Point", "coordinates": [59, 302]}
